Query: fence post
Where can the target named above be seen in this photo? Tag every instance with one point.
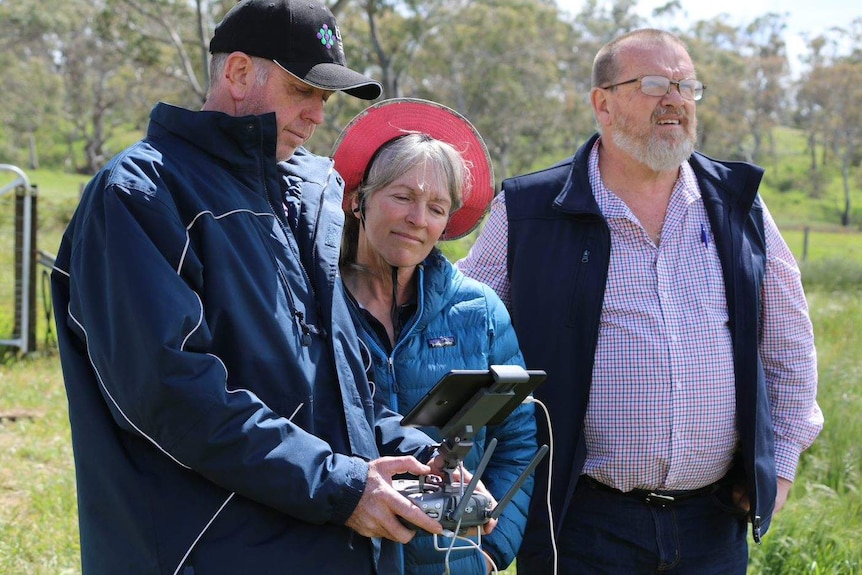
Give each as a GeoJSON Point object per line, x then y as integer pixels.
{"type": "Point", "coordinates": [805, 243]}
{"type": "Point", "coordinates": [25, 256]}
{"type": "Point", "coordinates": [23, 336]}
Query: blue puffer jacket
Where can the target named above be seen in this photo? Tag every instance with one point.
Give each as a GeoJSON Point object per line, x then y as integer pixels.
{"type": "Point", "coordinates": [454, 308]}
{"type": "Point", "coordinates": [221, 417]}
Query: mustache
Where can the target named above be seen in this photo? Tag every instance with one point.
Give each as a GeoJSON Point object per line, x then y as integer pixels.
{"type": "Point", "coordinates": [665, 111]}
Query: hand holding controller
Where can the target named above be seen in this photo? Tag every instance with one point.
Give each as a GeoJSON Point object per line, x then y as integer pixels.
{"type": "Point", "coordinates": [441, 505]}
{"type": "Point", "coordinates": [381, 506]}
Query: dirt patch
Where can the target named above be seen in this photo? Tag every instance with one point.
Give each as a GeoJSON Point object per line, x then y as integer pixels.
{"type": "Point", "coordinates": [14, 416]}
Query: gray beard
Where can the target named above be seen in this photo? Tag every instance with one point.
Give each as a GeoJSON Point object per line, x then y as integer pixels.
{"type": "Point", "coordinates": [657, 153]}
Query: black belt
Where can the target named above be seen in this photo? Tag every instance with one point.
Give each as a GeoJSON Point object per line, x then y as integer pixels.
{"type": "Point", "coordinates": [653, 497]}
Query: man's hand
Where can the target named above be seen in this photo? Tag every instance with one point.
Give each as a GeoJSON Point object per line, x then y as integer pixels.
{"type": "Point", "coordinates": [378, 510]}
{"type": "Point", "coordinates": [784, 486]}
{"type": "Point", "coordinates": [740, 497]}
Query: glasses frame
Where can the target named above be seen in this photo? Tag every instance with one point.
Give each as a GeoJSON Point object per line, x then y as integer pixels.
{"type": "Point", "coordinates": [676, 83]}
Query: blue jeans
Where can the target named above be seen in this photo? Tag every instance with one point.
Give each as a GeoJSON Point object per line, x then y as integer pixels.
{"type": "Point", "coordinates": [608, 532]}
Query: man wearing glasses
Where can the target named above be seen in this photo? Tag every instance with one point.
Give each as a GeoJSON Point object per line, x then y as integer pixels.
{"type": "Point", "coordinates": [652, 285]}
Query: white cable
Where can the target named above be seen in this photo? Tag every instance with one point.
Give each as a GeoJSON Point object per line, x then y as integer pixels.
{"type": "Point", "coordinates": [458, 525]}
{"type": "Point", "coordinates": [531, 399]}
{"type": "Point", "coordinates": [494, 569]}
{"type": "Point", "coordinates": [454, 536]}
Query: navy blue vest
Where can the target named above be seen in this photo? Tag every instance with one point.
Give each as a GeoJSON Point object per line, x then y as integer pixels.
{"type": "Point", "coordinates": [559, 248]}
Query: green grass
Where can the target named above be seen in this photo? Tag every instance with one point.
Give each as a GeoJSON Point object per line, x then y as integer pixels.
{"type": "Point", "coordinates": [823, 244]}
{"type": "Point", "coordinates": [818, 532]}
{"type": "Point", "coordinates": [820, 529]}
{"type": "Point", "coordinates": [38, 513]}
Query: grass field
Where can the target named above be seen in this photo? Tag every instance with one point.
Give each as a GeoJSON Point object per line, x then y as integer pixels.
{"type": "Point", "coordinates": [819, 532]}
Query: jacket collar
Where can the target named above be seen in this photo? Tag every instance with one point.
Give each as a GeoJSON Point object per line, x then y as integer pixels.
{"type": "Point", "coordinates": [235, 140]}
{"type": "Point", "coordinates": [733, 182]}
{"type": "Point", "coordinates": [438, 281]}
{"type": "Point", "coordinates": [576, 197]}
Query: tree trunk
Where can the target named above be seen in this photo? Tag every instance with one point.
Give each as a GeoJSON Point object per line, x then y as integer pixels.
{"type": "Point", "coordinates": [34, 158]}
{"type": "Point", "coordinates": [845, 177]}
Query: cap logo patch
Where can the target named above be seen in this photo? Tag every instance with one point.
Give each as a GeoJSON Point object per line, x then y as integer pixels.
{"type": "Point", "coordinates": [326, 36]}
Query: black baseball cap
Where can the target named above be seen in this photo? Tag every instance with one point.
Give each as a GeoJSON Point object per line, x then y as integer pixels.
{"type": "Point", "coordinates": [301, 36]}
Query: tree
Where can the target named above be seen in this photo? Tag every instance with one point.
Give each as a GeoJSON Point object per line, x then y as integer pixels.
{"type": "Point", "coordinates": [829, 102]}
{"type": "Point", "coordinates": [104, 78]}
{"type": "Point", "coordinates": [82, 75]}
{"type": "Point", "coordinates": [32, 93]}
{"type": "Point", "coordinates": [845, 77]}
{"type": "Point", "coordinates": [765, 83]}
{"type": "Point", "coordinates": [714, 49]}
{"type": "Point", "coordinates": [511, 86]}
{"type": "Point", "coordinates": [174, 35]}
{"type": "Point", "coordinates": [811, 115]}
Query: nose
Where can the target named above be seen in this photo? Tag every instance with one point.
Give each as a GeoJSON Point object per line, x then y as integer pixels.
{"type": "Point", "coordinates": [670, 91]}
{"type": "Point", "coordinates": [416, 215]}
{"type": "Point", "coordinates": [314, 112]}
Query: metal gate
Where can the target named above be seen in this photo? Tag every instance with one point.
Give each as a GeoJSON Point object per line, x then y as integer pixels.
{"type": "Point", "coordinates": [23, 331]}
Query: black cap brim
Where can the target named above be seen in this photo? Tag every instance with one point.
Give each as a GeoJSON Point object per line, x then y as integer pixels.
{"type": "Point", "coordinates": [330, 76]}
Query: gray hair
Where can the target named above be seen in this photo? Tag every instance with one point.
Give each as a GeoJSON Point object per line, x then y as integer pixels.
{"type": "Point", "coordinates": [606, 66]}
{"type": "Point", "coordinates": [262, 68]}
{"type": "Point", "coordinates": [394, 159]}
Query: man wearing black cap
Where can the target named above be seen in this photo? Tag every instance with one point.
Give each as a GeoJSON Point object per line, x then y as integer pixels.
{"type": "Point", "coordinates": [221, 419]}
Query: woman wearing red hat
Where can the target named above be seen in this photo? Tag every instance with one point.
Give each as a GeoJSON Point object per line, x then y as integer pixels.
{"type": "Point", "coordinates": [417, 172]}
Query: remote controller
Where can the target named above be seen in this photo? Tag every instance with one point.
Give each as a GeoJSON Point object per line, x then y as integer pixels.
{"type": "Point", "coordinates": [440, 503]}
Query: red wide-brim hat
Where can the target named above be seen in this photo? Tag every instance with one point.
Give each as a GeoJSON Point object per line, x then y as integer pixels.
{"type": "Point", "coordinates": [389, 119]}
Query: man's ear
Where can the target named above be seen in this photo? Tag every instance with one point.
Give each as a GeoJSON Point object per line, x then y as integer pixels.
{"type": "Point", "coordinates": [239, 75]}
{"type": "Point", "coordinates": [601, 106]}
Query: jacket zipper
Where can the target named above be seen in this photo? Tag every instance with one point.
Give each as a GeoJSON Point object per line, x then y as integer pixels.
{"type": "Point", "coordinates": [390, 358]}
{"type": "Point", "coordinates": [306, 330]}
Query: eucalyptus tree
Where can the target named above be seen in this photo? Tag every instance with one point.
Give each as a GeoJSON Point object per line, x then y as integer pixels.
{"type": "Point", "coordinates": [381, 38]}
{"type": "Point", "coordinates": [173, 35]}
{"type": "Point", "coordinates": [503, 64]}
{"type": "Point", "coordinates": [84, 78]}
{"type": "Point", "coordinates": [830, 104]}
{"type": "Point", "coordinates": [747, 76]}
{"type": "Point", "coordinates": [715, 49]}
{"type": "Point", "coordinates": [31, 90]}
{"type": "Point", "coordinates": [812, 114]}
{"type": "Point", "coordinates": [845, 78]}
{"type": "Point", "coordinates": [596, 24]}
{"type": "Point", "coordinates": [600, 22]}
{"type": "Point", "coordinates": [766, 81]}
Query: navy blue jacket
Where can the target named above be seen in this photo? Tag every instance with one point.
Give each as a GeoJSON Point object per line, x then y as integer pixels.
{"type": "Point", "coordinates": [221, 418]}
{"type": "Point", "coordinates": [559, 250]}
{"type": "Point", "coordinates": [459, 324]}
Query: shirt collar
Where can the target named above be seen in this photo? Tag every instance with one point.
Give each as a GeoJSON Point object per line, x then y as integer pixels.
{"type": "Point", "coordinates": [685, 190]}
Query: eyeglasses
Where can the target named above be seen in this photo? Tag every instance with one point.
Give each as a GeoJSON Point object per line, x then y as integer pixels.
{"type": "Point", "coordinates": [659, 86]}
